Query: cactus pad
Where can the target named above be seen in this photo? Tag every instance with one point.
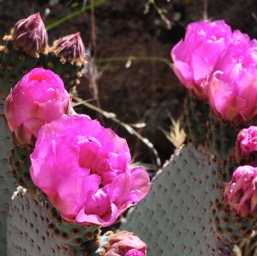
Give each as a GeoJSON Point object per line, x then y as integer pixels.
{"type": "Point", "coordinates": [175, 218]}
{"type": "Point", "coordinates": [7, 182]}
{"type": "Point", "coordinates": [20, 162]}
{"type": "Point", "coordinates": [14, 64]}
{"type": "Point", "coordinates": [229, 225]}
{"type": "Point", "coordinates": [30, 228]}
{"type": "Point", "coordinates": [221, 138]}
{"type": "Point", "coordinates": [196, 113]}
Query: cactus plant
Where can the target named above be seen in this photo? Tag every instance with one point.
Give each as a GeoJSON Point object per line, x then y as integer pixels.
{"type": "Point", "coordinates": [75, 176]}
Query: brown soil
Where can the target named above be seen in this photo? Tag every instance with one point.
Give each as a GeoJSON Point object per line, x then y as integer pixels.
{"type": "Point", "coordinates": [145, 91]}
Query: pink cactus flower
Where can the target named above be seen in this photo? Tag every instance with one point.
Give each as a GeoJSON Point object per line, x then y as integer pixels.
{"type": "Point", "coordinates": [195, 56]}
{"type": "Point", "coordinates": [240, 193]}
{"type": "Point", "coordinates": [38, 98]}
{"type": "Point", "coordinates": [30, 35]}
{"type": "Point", "coordinates": [125, 244]}
{"type": "Point", "coordinates": [232, 85]}
{"type": "Point", "coordinates": [84, 170]}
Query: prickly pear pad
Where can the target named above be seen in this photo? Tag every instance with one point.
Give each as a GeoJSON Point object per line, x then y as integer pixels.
{"type": "Point", "coordinates": [7, 182]}
{"type": "Point", "coordinates": [175, 218]}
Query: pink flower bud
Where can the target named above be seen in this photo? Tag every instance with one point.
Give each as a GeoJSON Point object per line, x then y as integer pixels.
{"type": "Point", "coordinates": [240, 193]}
{"type": "Point", "coordinates": [195, 56]}
{"type": "Point", "coordinates": [30, 35]}
{"type": "Point", "coordinates": [232, 85]}
{"type": "Point", "coordinates": [84, 170]}
{"type": "Point", "coordinates": [70, 48]}
{"type": "Point", "coordinates": [125, 244]}
{"type": "Point", "coordinates": [38, 98]}
{"type": "Point", "coordinates": [246, 145]}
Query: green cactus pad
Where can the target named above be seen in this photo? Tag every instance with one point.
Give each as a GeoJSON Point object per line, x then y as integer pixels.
{"type": "Point", "coordinates": [196, 113]}
{"type": "Point", "coordinates": [175, 218]}
{"type": "Point", "coordinates": [221, 137]}
{"type": "Point", "coordinates": [14, 64]}
{"type": "Point", "coordinates": [30, 229]}
{"type": "Point", "coordinates": [71, 233]}
{"type": "Point", "coordinates": [7, 182]}
{"type": "Point", "coordinates": [70, 73]}
{"type": "Point", "coordinates": [20, 162]}
{"type": "Point", "coordinates": [233, 228]}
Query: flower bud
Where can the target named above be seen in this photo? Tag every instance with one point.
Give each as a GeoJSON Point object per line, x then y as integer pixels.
{"type": "Point", "coordinates": [246, 146]}
{"type": "Point", "coordinates": [240, 193]}
{"type": "Point", "coordinates": [125, 244]}
{"type": "Point", "coordinates": [70, 48]}
{"type": "Point", "coordinates": [30, 35]}
{"type": "Point", "coordinates": [38, 98]}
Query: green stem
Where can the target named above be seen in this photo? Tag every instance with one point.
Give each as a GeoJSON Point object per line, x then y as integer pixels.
{"type": "Point", "coordinates": [70, 16]}
{"type": "Point", "coordinates": [133, 58]}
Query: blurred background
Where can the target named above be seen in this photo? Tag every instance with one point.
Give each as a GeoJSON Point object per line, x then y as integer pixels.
{"type": "Point", "coordinates": [129, 84]}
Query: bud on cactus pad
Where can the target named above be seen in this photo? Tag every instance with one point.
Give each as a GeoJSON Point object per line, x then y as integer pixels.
{"type": "Point", "coordinates": [24, 46]}
{"type": "Point", "coordinates": [240, 194]}
{"type": "Point", "coordinates": [246, 146]}
{"type": "Point", "coordinates": [70, 48]}
{"type": "Point", "coordinates": [122, 243]}
{"type": "Point", "coordinates": [175, 218]}
{"type": "Point", "coordinates": [29, 35]}
{"type": "Point", "coordinates": [67, 57]}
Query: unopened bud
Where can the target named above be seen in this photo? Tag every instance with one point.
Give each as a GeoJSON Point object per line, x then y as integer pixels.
{"type": "Point", "coordinates": [70, 48]}
{"type": "Point", "coordinates": [30, 35]}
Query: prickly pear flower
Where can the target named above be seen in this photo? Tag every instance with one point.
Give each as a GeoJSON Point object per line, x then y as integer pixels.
{"type": "Point", "coordinates": [30, 35]}
{"type": "Point", "coordinates": [38, 98]}
{"type": "Point", "coordinates": [240, 194]}
{"type": "Point", "coordinates": [124, 244]}
{"type": "Point", "coordinates": [232, 85]}
{"type": "Point", "coordinates": [195, 55]}
{"type": "Point", "coordinates": [84, 169]}
{"type": "Point", "coordinates": [70, 48]}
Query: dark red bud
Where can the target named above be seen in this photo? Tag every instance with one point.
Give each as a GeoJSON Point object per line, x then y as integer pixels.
{"type": "Point", "coordinates": [30, 35]}
{"type": "Point", "coordinates": [70, 48]}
